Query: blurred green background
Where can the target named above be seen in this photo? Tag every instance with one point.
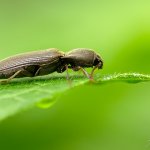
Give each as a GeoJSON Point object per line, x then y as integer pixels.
{"type": "Point", "coordinates": [90, 117]}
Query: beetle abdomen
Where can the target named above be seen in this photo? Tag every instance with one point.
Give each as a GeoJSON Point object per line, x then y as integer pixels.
{"type": "Point", "coordinates": [29, 63]}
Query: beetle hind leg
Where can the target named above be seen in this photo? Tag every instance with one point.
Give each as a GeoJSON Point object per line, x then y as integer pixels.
{"type": "Point", "coordinates": [5, 81]}
{"type": "Point", "coordinates": [24, 72]}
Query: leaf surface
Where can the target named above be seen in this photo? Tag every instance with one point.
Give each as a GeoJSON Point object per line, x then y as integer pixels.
{"type": "Point", "coordinates": [21, 94]}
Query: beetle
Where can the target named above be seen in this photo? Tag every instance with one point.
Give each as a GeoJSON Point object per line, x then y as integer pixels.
{"type": "Point", "coordinates": [31, 64]}
{"type": "Point", "coordinates": [39, 63]}
{"type": "Point", "coordinates": [80, 58]}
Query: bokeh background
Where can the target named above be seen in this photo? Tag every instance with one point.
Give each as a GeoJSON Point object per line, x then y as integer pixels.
{"type": "Point", "coordinates": [90, 117]}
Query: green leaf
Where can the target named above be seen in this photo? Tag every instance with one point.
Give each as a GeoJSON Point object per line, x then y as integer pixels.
{"type": "Point", "coordinates": [126, 77]}
{"type": "Point", "coordinates": [43, 92]}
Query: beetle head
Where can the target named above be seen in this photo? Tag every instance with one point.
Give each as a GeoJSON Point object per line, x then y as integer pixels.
{"type": "Point", "coordinates": [98, 61]}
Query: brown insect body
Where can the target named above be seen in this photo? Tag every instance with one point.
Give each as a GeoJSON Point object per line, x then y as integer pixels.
{"type": "Point", "coordinates": [44, 62]}
{"type": "Point", "coordinates": [31, 64]}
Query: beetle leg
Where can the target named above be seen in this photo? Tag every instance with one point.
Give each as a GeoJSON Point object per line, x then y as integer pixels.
{"type": "Point", "coordinates": [10, 78]}
{"type": "Point", "coordinates": [67, 72]}
{"type": "Point", "coordinates": [92, 72]}
{"type": "Point", "coordinates": [83, 70]}
{"type": "Point", "coordinates": [69, 81]}
{"type": "Point", "coordinates": [37, 71]}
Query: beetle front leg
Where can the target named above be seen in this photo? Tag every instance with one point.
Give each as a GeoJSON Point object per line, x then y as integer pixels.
{"type": "Point", "coordinates": [92, 72]}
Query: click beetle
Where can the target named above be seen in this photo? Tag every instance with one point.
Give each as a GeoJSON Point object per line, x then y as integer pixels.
{"type": "Point", "coordinates": [43, 62]}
